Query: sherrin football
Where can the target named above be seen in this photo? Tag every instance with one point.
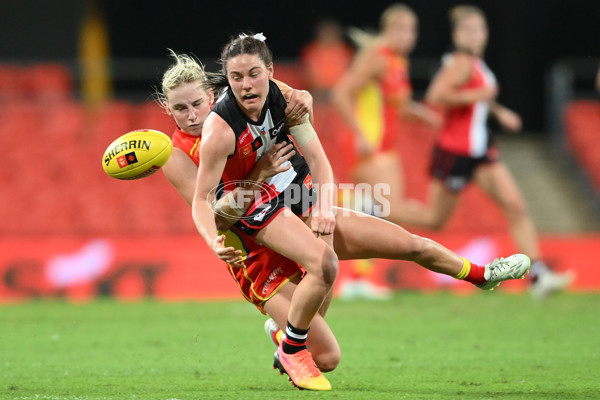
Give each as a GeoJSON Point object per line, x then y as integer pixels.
{"type": "Point", "coordinates": [137, 154]}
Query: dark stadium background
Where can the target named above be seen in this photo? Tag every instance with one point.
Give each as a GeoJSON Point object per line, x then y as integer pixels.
{"type": "Point", "coordinates": [527, 37]}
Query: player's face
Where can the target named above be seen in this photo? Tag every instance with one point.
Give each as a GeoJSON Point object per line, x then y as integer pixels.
{"type": "Point", "coordinates": [249, 77]}
{"type": "Point", "coordinates": [471, 34]}
{"type": "Point", "coordinates": [189, 104]}
{"type": "Point", "coordinates": [401, 32]}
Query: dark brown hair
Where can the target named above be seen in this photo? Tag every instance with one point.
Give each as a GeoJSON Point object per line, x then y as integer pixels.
{"type": "Point", "coordinates": [242, 44]}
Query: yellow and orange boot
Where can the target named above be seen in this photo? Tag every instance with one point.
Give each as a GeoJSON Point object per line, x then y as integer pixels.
{"type": "Point", "coordinates": [301, 370]}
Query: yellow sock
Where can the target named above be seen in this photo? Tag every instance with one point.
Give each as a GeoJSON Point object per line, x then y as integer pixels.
{"type": "Point", "coordinates": [278, 336]}
{"type": "Point", "coordinates": [466, 268]}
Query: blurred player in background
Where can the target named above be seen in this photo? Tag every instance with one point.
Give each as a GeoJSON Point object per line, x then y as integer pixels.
{"type": "Point", "coordinates": [466, 90]}
{"type": "Point", "coordinates": [372, 97]}
{"type": "Point", "coordinates": [325, 59]}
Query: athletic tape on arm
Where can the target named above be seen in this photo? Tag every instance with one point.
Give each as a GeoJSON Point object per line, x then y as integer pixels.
{"type": "Point", "coordinates": [304, 132]}
{"type": "Point", "coordinates": [228, 207]}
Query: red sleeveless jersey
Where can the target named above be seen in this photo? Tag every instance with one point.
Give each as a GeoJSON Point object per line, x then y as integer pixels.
{"type": "Point", "coordinates": [465, 130]}
{"type": "Point", "coordinates": [190, 145]}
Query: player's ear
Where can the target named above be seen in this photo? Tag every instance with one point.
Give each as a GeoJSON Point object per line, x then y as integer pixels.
{"type": "Point", "coordinates": [211, 98]}
{"type": "Point", "coordinates": [166, 107]}
{"type": "Point", "coordinates": [271, 70]}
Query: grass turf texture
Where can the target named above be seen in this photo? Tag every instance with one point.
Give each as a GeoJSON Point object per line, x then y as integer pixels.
{"type": "Point", "coordinates": [416, 346]}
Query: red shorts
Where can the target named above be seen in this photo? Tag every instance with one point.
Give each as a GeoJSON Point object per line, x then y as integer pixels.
{"type": "Point", "coordinates": [455, 170]}
{"type": "Point", "coordinates": [263, 275]}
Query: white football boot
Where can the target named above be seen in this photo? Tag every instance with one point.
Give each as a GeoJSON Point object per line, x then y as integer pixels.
{"type": "Point", "coordinates": [270, 329]}
{"type": "Point", "coordinates": [549, 282]}
{"type": "Point", "coordinates": [502, 269]}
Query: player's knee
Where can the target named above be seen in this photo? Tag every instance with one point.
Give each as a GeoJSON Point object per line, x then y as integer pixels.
{"type": "Point", "coordinates": [516, 209]}
{"type": "Point", "coordinates": [415, 247]}
{"type": "Point", "coordinates": [329, 266]}
{"type": "Point", "coordinates": [324, 265]}
{"type": "Point", "coordinates": [328, 361]}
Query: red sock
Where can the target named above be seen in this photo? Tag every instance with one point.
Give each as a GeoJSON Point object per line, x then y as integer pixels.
{"type": "Point", "coordinates": [475, 275]}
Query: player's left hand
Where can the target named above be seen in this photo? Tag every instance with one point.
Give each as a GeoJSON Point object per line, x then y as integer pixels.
{"type": "Point", "coordinates": [300, 103]}
{"type": "Point", "coordinates": [322, 222]}
{"type": "Point", "coordinates": [509, 120]}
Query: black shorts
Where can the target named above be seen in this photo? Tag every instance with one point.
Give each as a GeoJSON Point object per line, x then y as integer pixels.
{"type": "Point", "coordinates": [299, 197]}
{"type": "Point", "coordinates": [455, 170]}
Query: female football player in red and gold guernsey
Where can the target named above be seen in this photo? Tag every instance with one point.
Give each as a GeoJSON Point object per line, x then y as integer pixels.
{"type": "Point", "coordinates": [375, 94]}
{"type": "Point", "coordinates": [244, 124]}
{"type": "Point", "coordinates": [465, 89]}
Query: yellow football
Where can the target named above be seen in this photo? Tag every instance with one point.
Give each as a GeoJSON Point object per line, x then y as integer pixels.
{"type": "Point", "coordinates": [137, 154]}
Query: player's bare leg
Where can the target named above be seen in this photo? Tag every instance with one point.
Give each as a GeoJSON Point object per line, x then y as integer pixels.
{"type": "Point", "coordinates": [288, 235]}
{"type": "Point", "coordinates": [358, 236]}
{"type": "Point", "coordinates": [321, 342]}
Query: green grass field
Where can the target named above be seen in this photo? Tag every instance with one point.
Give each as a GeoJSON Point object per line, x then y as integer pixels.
{"type": "Point", "coordinates": [416, 346]}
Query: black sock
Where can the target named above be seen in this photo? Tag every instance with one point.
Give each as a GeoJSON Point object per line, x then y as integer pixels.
{"type": "Point", "coordinates": [295, 339]}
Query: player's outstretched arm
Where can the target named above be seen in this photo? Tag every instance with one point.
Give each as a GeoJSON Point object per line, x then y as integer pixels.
{"type": "Point", "coordinates": [218, 142]}
{"type": "Point", "coordinates": [181, 172]}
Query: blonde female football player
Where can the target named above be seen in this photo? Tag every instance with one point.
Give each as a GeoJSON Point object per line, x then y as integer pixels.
{"type": "Point", "coordinates": [252, 265]}
{"type": "Point", "coordinates": [373, 96]}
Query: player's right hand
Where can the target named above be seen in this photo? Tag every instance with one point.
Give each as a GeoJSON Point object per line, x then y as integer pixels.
{"type": "Point", "coordinates": [228, 254]}
{"type": "Point", "coordinates": [271, 163]}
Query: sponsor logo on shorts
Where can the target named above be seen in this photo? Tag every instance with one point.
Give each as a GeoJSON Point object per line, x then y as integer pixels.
{"type": "Point", "coordinates": [272, 276]}
{"type": "Point", "coordinates": [261, 215]}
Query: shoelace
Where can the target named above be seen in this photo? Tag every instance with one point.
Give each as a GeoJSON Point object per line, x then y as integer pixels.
{"type": "Point", "coordinates": [500, 266]}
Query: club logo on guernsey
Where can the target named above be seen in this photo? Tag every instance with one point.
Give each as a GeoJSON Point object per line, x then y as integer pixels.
{"type": "Point", "coordinates": [254, 140]}
{"type": "Point", "coordinates": [130, 145]}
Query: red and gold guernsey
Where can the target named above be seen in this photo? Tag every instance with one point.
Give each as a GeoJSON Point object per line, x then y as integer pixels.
{"type": "Point", "coordinates": [190, 145]}
{"type": "Point", "coordinates": [465, 130]}
{"type": "Point", "coordinates": [379, 105]}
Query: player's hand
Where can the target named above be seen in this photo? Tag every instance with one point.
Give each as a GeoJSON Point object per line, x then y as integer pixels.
{"type": "Point", "coordinates": [488, 93]}
{"type": "Point", "coordinates": [272, 162]}
{"type": "Point", "coordinates": [432, 119]}
{"type": "Point", "coordinates": [228, 254]}
{"type": "Point", "coordinates": [363, 147]}
{"type": "Point", "coordinates": [300, 103]}
{"type": "Point", "coordinates": [509, 120]}
{"type": "Point", "coordinates": [322, 222]}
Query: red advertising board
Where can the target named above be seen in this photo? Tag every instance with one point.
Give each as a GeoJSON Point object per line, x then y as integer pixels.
{"type": "Point", "coordinates": [183, 268]}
